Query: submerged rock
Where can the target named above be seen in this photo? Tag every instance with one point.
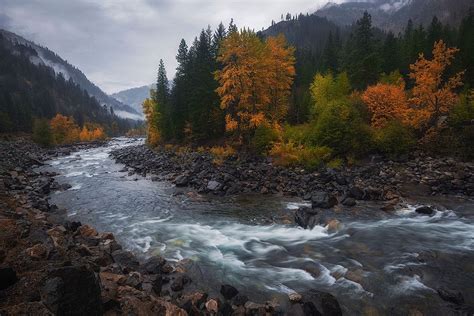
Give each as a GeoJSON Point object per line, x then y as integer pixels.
{"type": "Point", "coordinates": [424, 210]}
{"type": "Point", "coordinates": [451, 296]}
{"type": "Point", "coordinates": [228, 291]}
{"type": "Point", "coordinates": [323, 200]}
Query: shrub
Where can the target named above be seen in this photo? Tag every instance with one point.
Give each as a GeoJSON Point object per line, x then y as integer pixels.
{"type": "Point", "coordinates": [221, 153]}
{"type": "Point", "coordinates": [297, 134]}
{"type": "Point", "coordinates": [394, 139]}
{"type": "Point", "coordinates": [340, 128]}
{"type": "Point", "coordinates": [289, 154]}
{"type": "Point", "coordinates": [42, 132]}
{"type": "Point", "coordinates": [263, 139]}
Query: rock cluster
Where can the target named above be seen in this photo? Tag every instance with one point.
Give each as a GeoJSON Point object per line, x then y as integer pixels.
{"type": "Point", "coordinates": [375, 180]}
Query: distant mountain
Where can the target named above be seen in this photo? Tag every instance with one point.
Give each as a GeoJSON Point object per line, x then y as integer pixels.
{"type": "Point", "coordinates": [134, 97]}
{"type": "Point", "coordinates": [46, 57]}
{"type": "Point", "coordinates": [29, 89]}
{"type": "Point", "coordinates": [393, 15]}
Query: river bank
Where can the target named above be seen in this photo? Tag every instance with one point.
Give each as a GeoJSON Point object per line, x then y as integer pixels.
{"type": "Point", "coordinates": [381, 180]}
{"type": "Point", "coordinates": [50, 265]}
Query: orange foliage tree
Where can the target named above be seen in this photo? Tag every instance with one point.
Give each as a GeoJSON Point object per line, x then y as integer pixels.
{"type": "Point", "coordinates": [255, 80]}
{"type": "Point", "coordinates": [433, 96]}
{"type": "Point", "coordinates": [386, 102]}
{"type": "Point", "coordinates": [64, 129]}
{"type": "Point", "coordinates": [91, 133]}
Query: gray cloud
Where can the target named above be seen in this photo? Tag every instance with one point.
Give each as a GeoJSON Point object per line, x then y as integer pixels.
{"type": "Point", "coordinates": [117, 43]}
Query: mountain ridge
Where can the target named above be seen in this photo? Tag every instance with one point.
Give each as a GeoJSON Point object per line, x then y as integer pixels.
{"type": "Point", "coordinates": [59, 65]}
{"type": "Point", "coordinates": [393, 15]}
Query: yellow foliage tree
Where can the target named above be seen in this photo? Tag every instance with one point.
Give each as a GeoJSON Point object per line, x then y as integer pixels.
{"type": "Point", "coordinates": [432, 96]}
{"type": "Point", "coordinates": [64, 130]}
{"type": "Point", "coordinates": [255, 80]}
{"type": "Point", "coordinates": [152, 120]}
{"type": "Point", "coordinates": [386, 102]}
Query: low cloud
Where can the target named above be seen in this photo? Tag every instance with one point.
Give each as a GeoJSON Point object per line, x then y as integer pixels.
{"type": "Point", "coordinates": [117, 43]}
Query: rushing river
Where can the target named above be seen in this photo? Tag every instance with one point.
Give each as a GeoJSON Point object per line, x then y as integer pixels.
{"type": "Point", "coordinates": [391, 262]}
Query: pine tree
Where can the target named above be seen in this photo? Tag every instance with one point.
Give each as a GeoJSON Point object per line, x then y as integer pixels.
{"type": "Point", "coordinates": [390, 54]}
{"type": "Point", "coordinates": [363, 60]}
{"type": "Point", "coordinates": [180, 92]}
{"type": "Point", "coordinates": [162, 104]}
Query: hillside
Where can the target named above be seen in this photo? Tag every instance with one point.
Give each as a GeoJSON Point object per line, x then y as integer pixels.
{"type": "Point", "coordinates": [133, 97]}
{"type": "Point", "coordinates": [393, 15]}
{"type": "Point", "coordinates": [307, 32]}
{"type": "Point", "coordinates": [46, 57]}
{"type": "Point", "coordinates": [29, 89]}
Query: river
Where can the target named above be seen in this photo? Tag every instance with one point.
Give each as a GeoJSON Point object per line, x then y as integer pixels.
{"type": "Point", "coordinates": [385, 262]}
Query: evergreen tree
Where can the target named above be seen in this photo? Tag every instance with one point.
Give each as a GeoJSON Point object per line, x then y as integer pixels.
{"type": "Point", "coordinates": [363, 60]}
{"type": "Point", "coordinates": [466, 46]}
{"type": "Point", "coordinates": [390, 54]}
{"type": "Point", "coordinates": [179, 92]}
{"type": "Point", "coordinates": [162, 104]}
{"type": "Point", "coordinates": [331, 54]}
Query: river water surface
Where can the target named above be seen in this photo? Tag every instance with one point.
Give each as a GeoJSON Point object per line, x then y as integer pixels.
{"type": "Point", "coordinates": [390, 263]}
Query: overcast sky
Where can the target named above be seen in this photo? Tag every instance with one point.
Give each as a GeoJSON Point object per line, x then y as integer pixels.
{"type": "Point", "coordinates": [117, 43]}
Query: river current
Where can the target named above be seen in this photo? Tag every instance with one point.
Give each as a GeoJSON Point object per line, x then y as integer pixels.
{"type": "Point", "coordinates": [390, 263]}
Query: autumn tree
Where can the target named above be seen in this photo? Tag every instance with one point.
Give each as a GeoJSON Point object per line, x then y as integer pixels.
{"type": "Point", "coordinates": [433, 96]}
{"type": "Point", "coordinates": [152, 115]}
{"type": "Point", "coordinates": [64, 129]}
{"type": "Point", "coordinates": [255, 80]}
{"type": "Point", "coordinates": [386, 102]}
{"type": "Point", "coordinates": [328, 88]}
{"type": "Point", "coordinates": [281, 71]}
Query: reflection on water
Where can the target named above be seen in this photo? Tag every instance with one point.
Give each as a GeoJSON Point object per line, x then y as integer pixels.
{"type": "Point", "coordinates": [384, 262]}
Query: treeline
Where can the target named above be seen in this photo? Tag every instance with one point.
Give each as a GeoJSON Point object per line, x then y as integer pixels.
{"type": "Point", "coordinates": [342, 50]}
{"type": "Point", "coordinates": [62, 130]}
{"type": "Point", "coordinates": [367, 94]}
{"type": "Point", "coordinates": [29, 91]}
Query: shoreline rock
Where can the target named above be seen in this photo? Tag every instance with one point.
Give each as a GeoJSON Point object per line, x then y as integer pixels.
{"type": "Point", "coordinates": [382, 180]}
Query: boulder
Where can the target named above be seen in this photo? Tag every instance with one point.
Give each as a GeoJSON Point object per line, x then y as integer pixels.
{"type": "Point", "coordinates": [37, 252]}
{"type": "Point", "coordinates": [228, 291]}
{"type": "Point", "coordinates": [181, 181]}
{"type": "Point", "coordinates": [72, 290]}
{"type": "Point", "coordinates": [424, 210]}
{"type": "Point", "coordinates": [153, 265]}
{"type": "Point", "coordinates": [348, 201]}
{"type": "Point", "coordinates": [87, 231]}
{"type": "Point", "coordinates": [213, 185]}
{"type": "Point", "coordinates": [212, 306]}
{"type": "Point", "coordinates": [323, 200]}
{"type": "Point", "coordinates": [302, 217]}
{"type": "Point", "coordinates": [451, 296]}
{"type": "Point", "coordinates": [179, 283]}
{"type": "Point", "coordinates": [295, 297]}
{"type": "Point", "coordinates": [7, 277]}
{"type": "Point", "coordinates": [126, 260]}
{"type": "Point", "coordinates": [317, 303]}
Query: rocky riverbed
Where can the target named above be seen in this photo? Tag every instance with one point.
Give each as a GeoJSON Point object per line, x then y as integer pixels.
{"type": "Point", "coordinates": [383, 180]}
{"type": "Point", "coordinates": [52, 266]}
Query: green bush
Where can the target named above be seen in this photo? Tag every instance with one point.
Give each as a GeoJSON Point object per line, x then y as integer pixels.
{"type": "Point", "coordinates": [395, 139]}
{"type": "Point", "coordinates": [341, 128]}
{"type": "Point", "coordinates": [42, 133]}
{"type": "Point", "coordinates": [263, 139]}
{"type": "Point", "coordinates": [291, 155]}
